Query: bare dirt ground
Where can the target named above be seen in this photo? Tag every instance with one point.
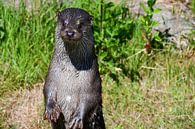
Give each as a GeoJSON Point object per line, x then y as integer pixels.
{"type": "Point", "coordinates": [24, 108]}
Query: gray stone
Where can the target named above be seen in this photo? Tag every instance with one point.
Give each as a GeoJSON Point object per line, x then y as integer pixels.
{"type": "Point", "coordinates": [175, 17]}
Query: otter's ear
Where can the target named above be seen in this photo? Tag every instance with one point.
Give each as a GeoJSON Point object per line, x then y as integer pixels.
{"type": "Point", "coordinates": [91, 19]}
{"type": "Point", "coordinates": [59, 15]}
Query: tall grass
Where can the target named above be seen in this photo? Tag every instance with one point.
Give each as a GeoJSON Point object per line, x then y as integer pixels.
{"type": "Point", "coordinates": [193, 6]}
{"type": "Point", "coordinates": [26, 45]}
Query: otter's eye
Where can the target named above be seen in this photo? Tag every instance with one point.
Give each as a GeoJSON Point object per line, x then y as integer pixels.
{"type": "Point", "coordinates": [65, 22]}
{"type": "Point", "coordinates": [78, 22]}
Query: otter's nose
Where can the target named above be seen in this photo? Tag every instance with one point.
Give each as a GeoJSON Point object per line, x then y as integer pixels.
{"type": "Point", "coordinates": [70, 33]}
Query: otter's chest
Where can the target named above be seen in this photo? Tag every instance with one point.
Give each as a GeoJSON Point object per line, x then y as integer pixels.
{"type": "Point", "coordinates": [71, 81]}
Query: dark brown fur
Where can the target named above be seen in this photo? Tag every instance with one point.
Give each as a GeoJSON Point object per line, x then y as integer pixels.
{"type": "Point", "coordinates": [72, 88]}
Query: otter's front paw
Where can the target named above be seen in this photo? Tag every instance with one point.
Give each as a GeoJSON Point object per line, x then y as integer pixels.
{"type": "Point", "coordinates": [77, 123]}
{"type": "Point", "coordinates": [52, 112]}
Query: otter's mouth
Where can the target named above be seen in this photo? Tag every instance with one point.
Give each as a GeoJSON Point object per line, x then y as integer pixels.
{"type": "Point", "coordinates": [70, 35]}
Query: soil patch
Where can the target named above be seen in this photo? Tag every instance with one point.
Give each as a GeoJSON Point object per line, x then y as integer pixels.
{"type": "Point", "coordinates": [23, 109]}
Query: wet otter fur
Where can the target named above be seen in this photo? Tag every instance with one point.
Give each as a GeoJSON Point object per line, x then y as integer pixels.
{"type": "Point", "coordinates": [72, 89]}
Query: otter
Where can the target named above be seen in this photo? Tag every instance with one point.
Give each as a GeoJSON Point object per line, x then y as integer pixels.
{"type": "Point", "coordinates": [72, 89]}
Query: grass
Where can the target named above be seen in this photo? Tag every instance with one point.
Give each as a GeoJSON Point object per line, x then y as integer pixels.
{"type": "Point", "coordinates": [26, 46]}
{"type": "Point", "coordinates": [164, 98]}
{"type": "Point", "coordinates": [140, 90]}
{"type": "Point", "coordinates": [193, 6]}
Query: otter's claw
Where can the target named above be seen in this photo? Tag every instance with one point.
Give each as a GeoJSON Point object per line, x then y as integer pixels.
{"type": "Point", "coordinates": [77, 123]}
{"type": "Point", "coordinates": [52, 113]}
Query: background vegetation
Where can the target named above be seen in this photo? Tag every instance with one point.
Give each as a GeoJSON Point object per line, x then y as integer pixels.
{"type": "Point", "coordinates": [147, 83]}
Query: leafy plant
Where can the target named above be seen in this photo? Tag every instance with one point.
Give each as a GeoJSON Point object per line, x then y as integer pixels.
{"type": "Point", "coordinates": [152, 39]}
{"type": "Point", "coordinates": [112, 32]}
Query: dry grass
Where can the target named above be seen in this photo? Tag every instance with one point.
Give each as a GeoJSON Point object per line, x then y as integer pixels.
{"type": "Point", "coordinates": [23, 109]}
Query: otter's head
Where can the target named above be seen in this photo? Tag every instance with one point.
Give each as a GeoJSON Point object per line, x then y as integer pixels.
{"type": "Point", "coordinates": [75, 24]}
